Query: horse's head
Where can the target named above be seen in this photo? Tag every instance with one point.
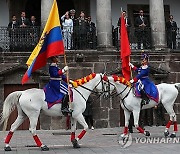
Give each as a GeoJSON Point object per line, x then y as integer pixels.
{"type": "Point", "coordinates": [114, 82]}
{"type": "Point", "coordinates": [108, 85]}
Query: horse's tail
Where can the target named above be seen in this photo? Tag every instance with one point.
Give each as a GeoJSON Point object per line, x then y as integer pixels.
{"type": "Point", "coordinates": [177, 85]}
{"type": "Point", "coordinates": [8, 106]}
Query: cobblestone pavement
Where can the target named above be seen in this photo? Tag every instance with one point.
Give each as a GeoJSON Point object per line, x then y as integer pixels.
{"type": "Point", "coordinates": [95, 141]}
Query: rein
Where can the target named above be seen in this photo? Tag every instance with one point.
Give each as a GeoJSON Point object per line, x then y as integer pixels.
{"type": "Point", "coordinates": [115, 94]}
{"type": "Point", "coordinates": [92, 91]}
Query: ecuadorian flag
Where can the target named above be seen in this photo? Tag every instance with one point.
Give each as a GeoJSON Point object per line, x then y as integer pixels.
{"type": "Point", "coordinates": [50, 44]}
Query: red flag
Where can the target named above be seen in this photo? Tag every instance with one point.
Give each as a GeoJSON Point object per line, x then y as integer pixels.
{"type": "Point", "coordinates": [125, 50]}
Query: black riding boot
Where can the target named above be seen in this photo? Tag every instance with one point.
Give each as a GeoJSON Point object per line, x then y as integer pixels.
{"type": "Point", "coordinates": [65, 105]}
{"type": "Point", "coordinates": [145, 99]}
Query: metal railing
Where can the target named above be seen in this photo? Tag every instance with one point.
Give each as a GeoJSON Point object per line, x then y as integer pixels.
{"type": "Point", "coordinates": [25, 39]}
{"type": "Point", "coordinates": [19, 39]}
{"type": "Point", "coordinates": [75, 38]}
{"type": "Point", "coordinates": [139, 38]}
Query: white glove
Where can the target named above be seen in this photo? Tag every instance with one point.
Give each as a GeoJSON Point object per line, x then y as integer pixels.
{"type": "Point", "coordinates": [131, 81]}
{"type": "Point", "coordinates": [131, 65]}
{"type": "Point", "coordinates": [65, 69]}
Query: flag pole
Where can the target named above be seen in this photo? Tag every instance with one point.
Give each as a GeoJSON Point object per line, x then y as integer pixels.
{"type": "Point", "coordinates": [67, 76]}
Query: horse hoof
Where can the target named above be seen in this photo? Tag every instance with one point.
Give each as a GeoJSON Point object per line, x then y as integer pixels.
{"type": "Point", "coordinates": [44, 148]}
{"type": "Point", "coordinates": [166, 133]}
{"type": "Point", "coordinates": [7, 148]}
{"type": "Point", "coordinates": [147, 133]}
{"type": "Point", "coordinates": [75, 144]}
{"type": "Point", "coordinates": [173, 135]}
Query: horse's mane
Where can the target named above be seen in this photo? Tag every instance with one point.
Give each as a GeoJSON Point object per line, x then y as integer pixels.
{"type": "Point", "coordinates": [121, 80]}
{"type": "Point", "coordinates": [79, 82]}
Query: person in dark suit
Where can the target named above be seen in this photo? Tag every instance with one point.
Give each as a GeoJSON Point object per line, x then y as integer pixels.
{"type": "Point", "coordinates": [33, 21]}
{"type": "Point", "coordinates": [127, 21]}
{"type": "Point", "coordinates": [91, 33]}
{"type": "Point", "coordinates": [34, 31]}
{"type": "Point", "coordinates": [171, 28]}
{"type": "Point", "coordinates": [88, 113]}
{"type": "Point", "coordinates": [72, 13]}
{"type": "Point", "coordinates": [23, 21]}
{"type": "Point", "coordinates": [82, 25]}
{"type": "Point", "coordinates": [13, 24]}
{"type": "Point", "coordinates": [127, 24]}
{"type": "Point", "coordinates": [141, 30]}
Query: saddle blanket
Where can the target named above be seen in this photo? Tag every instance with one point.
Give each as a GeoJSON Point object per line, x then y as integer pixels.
{"type": "Point", "coordinates": [151, 91]}
{"type": "Point", "coordinates": [52, 98]}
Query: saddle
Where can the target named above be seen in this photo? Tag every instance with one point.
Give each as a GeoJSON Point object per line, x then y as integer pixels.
{"type": "Point", "coordinates": [150, 91]}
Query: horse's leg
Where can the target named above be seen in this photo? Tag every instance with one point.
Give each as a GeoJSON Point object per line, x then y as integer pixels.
{"type": "Point", "coordinates": [19, 120]}
{"type": "Point", "coordinates": [81, 120]}
{"type": "Point", "coordinates": [33, 118]}
{"type": "Point", "coordinates": [73, 128]}
{"type": "Point", "coordinates": [127, 117]}
{"type": "Point", "coordinates": [170, 111]}
{"type": "Point", "coordinates": [136, 123]}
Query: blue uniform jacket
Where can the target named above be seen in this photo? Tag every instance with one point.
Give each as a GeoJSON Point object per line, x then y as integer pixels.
{"type": "Point", "coordinates": [143, 82]}
{"type": "Point", "coordinates": [57, 86]}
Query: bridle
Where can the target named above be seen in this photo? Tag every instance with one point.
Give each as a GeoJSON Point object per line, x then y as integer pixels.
{"type": "Point", "coordinates": [117, 94]}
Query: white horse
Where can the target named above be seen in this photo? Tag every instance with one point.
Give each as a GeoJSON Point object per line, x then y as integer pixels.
{"type": "Point", "coordinates": [130, 103]}
{"type": "Point", "coordinates": [30, 102]}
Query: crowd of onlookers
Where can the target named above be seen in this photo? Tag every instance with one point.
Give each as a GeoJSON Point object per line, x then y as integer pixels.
{"type": "Point", "coordinates": [78, 33]}
{"type": "Point", "coordinates": [142, 31]}
{"type": "Point", "coordinates": [23, 32]}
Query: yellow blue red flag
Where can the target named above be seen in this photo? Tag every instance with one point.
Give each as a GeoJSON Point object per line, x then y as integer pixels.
{"type": "Point", "coordinates": [50, 44]}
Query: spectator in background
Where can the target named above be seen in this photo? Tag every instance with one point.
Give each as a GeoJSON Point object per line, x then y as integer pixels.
{"type": "Point", "coordinates": [13, 23]}
{"type": "Point", "coordinates": [74, 34]}
{"type": "Point", "coordinates": [33, 21]}
{"type": "Point", "coordinates": [141, 24]}
{"type": "Point", "coordinates": [88, 113]}
{"type": "Point", "coordinates": [72, 15]}
{"type": "Point", "coordinates": [82, 31]}
{"type": "Point", "coordinates": [171, 28]}
{"type": "Point", "coordinates": [67, 30]}
{"type": "Point", "coordinates": [23, 21]}
{"type": "Point", "coordinates": [34, 31]}
{"type": "Point", "coordinates": [127, 21]}
{"type": "Point", "coordinates": [127, 24]}
{"type": "Point", "coordinates": [12, 32]}
{"type": "Point", "coordinates": [91, 33]}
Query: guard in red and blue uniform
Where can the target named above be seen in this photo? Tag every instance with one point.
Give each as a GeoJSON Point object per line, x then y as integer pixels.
{"type": "Point", "coordinates": [57, 89]}
{"type": "Point", "coordinates": [143, 85]}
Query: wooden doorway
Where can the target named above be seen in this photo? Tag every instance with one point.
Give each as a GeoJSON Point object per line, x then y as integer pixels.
{"type": "Point", "coordinates": [9, 88]}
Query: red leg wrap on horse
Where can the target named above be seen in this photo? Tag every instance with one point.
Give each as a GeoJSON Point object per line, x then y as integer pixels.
{"type": "Point", "coordinates": [169, 124]}
{"type": "Point", "coordinates": [72, 136]}
{"type": "Point", "coordinates": [68, 122]}
{"type": "Point", "coordinates": [8, 137]}
{"type": "Point", "coordinates": [140, 130]}
{"type": "Point", "coordinates": [125, 130]}
{"type": "Point", "coordinates": [82, 134]}
{"type": "Point", "coordinates": [175, 126]}
{"type": "Point", "coordinates": [37, 140]}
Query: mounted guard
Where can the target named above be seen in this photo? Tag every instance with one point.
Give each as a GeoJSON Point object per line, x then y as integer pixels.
{"type": "Point", "coordinates": [144, 87]}
{"type": "Point", "coordinates": [56, 90]}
